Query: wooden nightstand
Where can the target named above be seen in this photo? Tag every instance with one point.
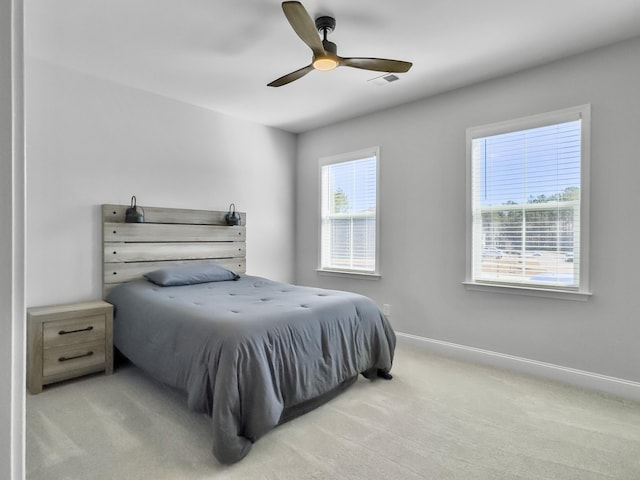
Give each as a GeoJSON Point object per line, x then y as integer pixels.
{"type": "Point", "coordinates": [67, 341]}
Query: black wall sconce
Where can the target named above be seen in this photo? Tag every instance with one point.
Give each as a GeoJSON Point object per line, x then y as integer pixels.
{"type": "Point", "coordinates": [233, 217]}
{"type": "Point", "coordinates": [132, 215]}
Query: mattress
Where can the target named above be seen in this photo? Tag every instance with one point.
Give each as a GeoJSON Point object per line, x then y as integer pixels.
{"type": "Point", "coordinates": [251, 353]}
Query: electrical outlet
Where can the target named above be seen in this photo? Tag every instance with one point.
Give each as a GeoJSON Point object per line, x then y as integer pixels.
{"type": "Point", "coordinates": [386, 309]}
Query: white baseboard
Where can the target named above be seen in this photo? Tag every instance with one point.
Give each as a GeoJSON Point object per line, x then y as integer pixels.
{"type": "Point", "coordinates": [580, 378]}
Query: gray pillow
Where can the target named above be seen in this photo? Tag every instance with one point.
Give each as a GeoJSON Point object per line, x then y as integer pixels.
{"type": "Point", "coordinates": [190, 275]}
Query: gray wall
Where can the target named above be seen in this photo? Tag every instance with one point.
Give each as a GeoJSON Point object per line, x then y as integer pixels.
{"type": "Point", "coordinates": [11, 242]}
{"type": "Point", "coordinates": [91, 142]}
{"type": "Point", "coordinates": [423, 215]}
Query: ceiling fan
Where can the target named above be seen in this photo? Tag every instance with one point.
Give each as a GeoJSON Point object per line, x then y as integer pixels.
{"type": "Point", "coordinates": [325, 53]}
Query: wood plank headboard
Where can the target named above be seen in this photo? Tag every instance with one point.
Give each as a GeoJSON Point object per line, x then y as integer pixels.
{"type": "Point", "coordinates": [169, 236]}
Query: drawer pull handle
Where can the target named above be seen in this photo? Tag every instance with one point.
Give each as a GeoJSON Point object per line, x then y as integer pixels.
{"type": "Point", "coordinates": [65, 359]}
{"type": "Point", "coordinates": [67, 332]}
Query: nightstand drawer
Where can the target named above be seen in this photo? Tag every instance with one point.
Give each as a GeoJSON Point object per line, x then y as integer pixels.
{"type": "Point", "coordinates": [77, 330]}
{"type": "Point", "coordinates": [73, 357]}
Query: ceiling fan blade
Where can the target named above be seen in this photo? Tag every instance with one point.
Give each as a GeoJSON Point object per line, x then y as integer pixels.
{"type": "Point", "coordinates": [290, 77]}
{"type": "Point", "coordinates": [376, 64]}
{"type": "Point", "coordinates": [303, 25]}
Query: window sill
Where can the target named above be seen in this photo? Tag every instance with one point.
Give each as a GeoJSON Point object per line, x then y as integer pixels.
{"type": "Point", "coordinates": [529, 291]}
{"type": "Point", "coordinates": [343, 273]}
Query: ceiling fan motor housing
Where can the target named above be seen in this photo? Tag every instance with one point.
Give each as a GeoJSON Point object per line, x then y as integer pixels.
{"type": "Point", "coordinates": [330, 47]}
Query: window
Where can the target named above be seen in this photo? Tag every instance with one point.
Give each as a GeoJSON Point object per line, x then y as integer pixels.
{"type": "Point", "coordinates": [528, 203]}
{"type": "Point", "coordinates": [349, 213]}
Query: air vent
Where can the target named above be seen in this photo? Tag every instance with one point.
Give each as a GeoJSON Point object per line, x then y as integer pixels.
{"type": "Point", "coordinates": [382, 80]}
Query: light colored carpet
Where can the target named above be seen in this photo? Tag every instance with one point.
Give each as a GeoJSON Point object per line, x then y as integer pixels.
{"type": "Point", "coordinates": [437, 419]}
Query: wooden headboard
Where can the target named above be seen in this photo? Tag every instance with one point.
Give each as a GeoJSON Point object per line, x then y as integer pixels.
{"type": "Point", "coordinates": [169, 236]}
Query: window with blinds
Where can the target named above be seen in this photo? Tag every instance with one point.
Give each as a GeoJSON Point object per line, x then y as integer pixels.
{"type": "Point", "coordinates": [527, 202]}
{"type": "Point", "coordinates": [349, 212]}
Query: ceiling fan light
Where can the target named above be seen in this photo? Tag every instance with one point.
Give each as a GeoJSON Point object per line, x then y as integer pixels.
{"type": "Point", "coordinates": [325, 63]}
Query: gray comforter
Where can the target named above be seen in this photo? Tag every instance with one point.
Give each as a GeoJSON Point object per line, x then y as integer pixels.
{"type": "Point", "coordinates": [251, 353]}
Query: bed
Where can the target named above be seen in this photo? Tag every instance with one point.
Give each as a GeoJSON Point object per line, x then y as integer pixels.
{"type": "Point", "coordinates": [250, 352]}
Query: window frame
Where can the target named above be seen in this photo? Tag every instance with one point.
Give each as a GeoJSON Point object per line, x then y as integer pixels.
{"type": "Point", "coordinates": [582, 112]}
{"type": "Point", "coordinates": [344, 158]}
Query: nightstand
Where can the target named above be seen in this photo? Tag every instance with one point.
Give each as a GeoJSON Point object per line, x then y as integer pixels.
{"type": "Point", "coordinates": [67, 341]}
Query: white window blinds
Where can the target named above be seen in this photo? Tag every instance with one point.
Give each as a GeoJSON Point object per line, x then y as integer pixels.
{"type": "Point", "coordinates": [526, 192]}
{"type": "Point", "coordinates": [349, 198]}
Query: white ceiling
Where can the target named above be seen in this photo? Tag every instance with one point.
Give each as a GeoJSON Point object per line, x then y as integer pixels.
{"type": "Point", "coordinates": [220, 54]}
